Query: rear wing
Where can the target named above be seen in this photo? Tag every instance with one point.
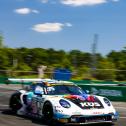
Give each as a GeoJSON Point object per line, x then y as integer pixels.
{"type": "Point", "coordinates": [34, 80]}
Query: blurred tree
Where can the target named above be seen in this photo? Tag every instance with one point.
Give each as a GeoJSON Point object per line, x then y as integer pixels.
{"type": "Point", "coordinates": [4, 61]}
{"type": "Point", "coordinates": [1, 41]}
{"type": "Point", "coordinates": [105, 70]}
{"type": "Point", "coordinates": [110, 67]}
{"type": "Point", "coordinates": [119, 59]}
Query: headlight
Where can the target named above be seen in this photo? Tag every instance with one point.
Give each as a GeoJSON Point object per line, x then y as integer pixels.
{"type": "Point", "coordinates": [107, 101]}
{"type": "Point", "coordinates": [64, 103]}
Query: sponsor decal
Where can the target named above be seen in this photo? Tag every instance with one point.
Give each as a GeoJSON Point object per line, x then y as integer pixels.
{"type": "Point", "coordinates": [90, 104]}
{"type": "Point", "coordinates": [106, 92]}
{"type": "Point", "coordinates": [81, 98]}
{"type": "Point", "coordinates": [97, 113]}
{"type": "Point", "coordinates": [58, 109]}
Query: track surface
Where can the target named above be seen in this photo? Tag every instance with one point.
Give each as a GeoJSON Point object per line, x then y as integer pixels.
{"type": "Point", "coordinates": [7, 118]}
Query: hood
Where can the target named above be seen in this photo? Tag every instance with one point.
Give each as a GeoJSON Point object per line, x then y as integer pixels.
{"type": "Point", "coordinates": [85, 101]}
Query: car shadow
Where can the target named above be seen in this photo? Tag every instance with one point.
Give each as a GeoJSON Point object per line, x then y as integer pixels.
{"type": "Point", "coordinates": [34, 120]}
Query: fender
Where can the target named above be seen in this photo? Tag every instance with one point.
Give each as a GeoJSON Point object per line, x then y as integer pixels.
{"type": "Point", "coordinates": [22, 94]}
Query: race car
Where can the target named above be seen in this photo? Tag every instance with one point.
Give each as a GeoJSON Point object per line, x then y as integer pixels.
{"type": "Point", "coordinates": [63, 102]}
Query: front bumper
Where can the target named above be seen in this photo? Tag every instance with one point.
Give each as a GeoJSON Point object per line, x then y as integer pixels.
{"type": "Point", "coordinates": [81, 120]}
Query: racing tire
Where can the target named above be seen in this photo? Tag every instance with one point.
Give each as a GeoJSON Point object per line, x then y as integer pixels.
{"type": "Point", "coordinates": [48, 115]}
{"type": "Point", "coordinates": [48, 112]}
{"type": "Point", "coordinates": [15, 103]}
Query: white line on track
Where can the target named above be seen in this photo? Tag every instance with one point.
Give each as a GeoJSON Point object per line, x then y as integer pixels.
{"type": "Point", "coordinates": [120, 108]}
{"type": "Point", "coordinates": [122, 117]}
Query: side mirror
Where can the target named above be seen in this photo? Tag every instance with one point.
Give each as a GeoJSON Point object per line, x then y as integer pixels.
{"type": "Point", "coordinates": [87, 91]}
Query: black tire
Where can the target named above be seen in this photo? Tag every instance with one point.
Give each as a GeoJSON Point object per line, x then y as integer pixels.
{"type": "Point", "coordinates": [48, 112]}
{"type": "Point", "coordinates": [15, 103]}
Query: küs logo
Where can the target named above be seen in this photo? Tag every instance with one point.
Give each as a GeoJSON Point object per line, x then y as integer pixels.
{"type": "Point", "coordinates": [90, 104]}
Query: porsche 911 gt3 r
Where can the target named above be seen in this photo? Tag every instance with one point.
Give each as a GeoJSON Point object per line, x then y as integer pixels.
{"type": "Point", "coordinates": [64, 102]}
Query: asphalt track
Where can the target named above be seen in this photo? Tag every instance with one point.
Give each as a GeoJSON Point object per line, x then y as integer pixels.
{"type": "Point", "coordinates": [7, 118]}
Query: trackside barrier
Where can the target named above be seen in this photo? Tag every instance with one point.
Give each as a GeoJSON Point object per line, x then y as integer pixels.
{"type": "Point", "coordinates": [113, 91]}
{"type": "Point", "coordinates": [3, 80]}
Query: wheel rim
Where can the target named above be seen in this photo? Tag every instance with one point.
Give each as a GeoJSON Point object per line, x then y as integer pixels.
{"type": "Point", "coordinates": [48, 112]}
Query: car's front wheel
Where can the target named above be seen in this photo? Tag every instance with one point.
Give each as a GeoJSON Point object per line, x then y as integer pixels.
{"type": "Point", "coordinates": [48, 111]}
{"type": "Point", "coordinates": [48, 115]}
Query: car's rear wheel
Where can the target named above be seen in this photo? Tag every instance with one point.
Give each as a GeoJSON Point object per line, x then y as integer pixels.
{"type": "Point", "coordinates": [15, 103]}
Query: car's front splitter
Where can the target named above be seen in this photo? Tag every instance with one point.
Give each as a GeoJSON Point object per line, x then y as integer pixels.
{"type": "Point", "coordinates": [81, 120]}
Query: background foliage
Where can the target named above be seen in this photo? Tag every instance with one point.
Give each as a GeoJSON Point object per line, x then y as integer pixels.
{"type": "Point", "coordinates": [110, 67]}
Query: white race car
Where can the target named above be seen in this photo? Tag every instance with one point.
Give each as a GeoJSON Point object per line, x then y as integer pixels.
{"type": "Point", "coordinates": [64, 102]}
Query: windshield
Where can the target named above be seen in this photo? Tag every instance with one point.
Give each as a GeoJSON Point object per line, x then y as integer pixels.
{"type": "Point", "coordinates": [64, 89]}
